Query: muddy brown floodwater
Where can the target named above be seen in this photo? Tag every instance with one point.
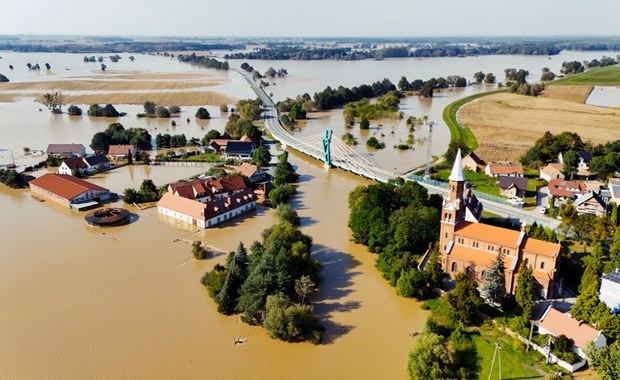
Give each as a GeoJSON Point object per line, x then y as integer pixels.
{"type": "Point", "coordinates": [84, 302]}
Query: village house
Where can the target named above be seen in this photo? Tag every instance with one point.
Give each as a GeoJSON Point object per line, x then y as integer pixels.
{"type": "Point", "coordinates": [66, 150]}
{"type": "Point", "coordinates": [583, 165]}
{"type": "Point", "coordinates": [252, 172]}
{"type": "Point", "coordinates": [121, 152]}
{"type": "Point", "coordinates": [494, 169]}
{"type": "Point", "coordinates": [563, 190]}
{"type": "Point", "coordinates": [67, 190]}
{"type": "Point", "coordinates": [84, 165]}
{"type": "Point", "coordinates": [551, 171]}
{"type": "Point", "coordinates": [513, 187]}
{"type": "Point", "coordinates": [207, 202]}
{"type": "Point", "coordinates": [556, 323]}
{"type": "Point", "coordinates": [239, 149]}
{"type": "Point", "coordinates": [590, 203]}
{"type": "Point", "coordinates": [473, 162]}
{"type": "Point", "coordinates": [610, 290]}
{"type": "Point", "coordinates": [472, 247]}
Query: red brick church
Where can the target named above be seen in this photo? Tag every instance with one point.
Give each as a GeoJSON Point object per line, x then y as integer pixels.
{"type": "Point", "coordinates": [469, 246]}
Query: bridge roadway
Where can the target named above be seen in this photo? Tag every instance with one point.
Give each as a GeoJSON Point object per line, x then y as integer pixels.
{"type": "Point", "coordinates": [364, 168]}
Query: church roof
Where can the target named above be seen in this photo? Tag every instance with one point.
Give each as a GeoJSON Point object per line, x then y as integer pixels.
{"type": "Point", "coordinates": [457, 168]}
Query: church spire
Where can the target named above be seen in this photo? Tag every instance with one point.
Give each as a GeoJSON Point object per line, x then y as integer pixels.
{"type": "Point", "coordinates": [457, 169]}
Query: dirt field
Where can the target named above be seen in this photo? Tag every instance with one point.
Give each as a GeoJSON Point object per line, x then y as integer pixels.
{"type": "Point", "coordinates": [506, 125]}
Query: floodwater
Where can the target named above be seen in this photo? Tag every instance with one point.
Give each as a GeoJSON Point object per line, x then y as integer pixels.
{"type": "Point", "coordinates": [604, 96]}
{"type": "Point", "coordinates": [83, 302]}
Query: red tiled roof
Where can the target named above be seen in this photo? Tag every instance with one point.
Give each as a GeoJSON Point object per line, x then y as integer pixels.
{"type": "Point", "coordinates": [246, 169]}
{"type": "Point", "coordinates": [488, 233]}
{"type": "Point", "coordinates": [558, 323]}
{"type": "Point", "coordinates": [64, 186]}
{"type": "Point", "coordinates": [563, 188]}
{"type": "Point", "coordinates": [205, 187]}
{"type": "Point", "coordinates": [183, 205]}
{"type": "Point", "coordinates": [477, 256]}
{"type": "Point", "coordinates": [508, 168]}
{"type": "Point", "coordinates": [541, 247]}
{"type": "Point", "coordinates": [121, 150]}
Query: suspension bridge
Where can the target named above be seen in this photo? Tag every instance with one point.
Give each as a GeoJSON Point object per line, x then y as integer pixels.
{"type": "Point", "coordinates": [336, 153]}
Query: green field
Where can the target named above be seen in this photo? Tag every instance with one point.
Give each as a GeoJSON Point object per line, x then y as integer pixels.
{"type": "Point", "coordinates": [458, 133]}
{"type": "Point", "coordinates": [603, 76]}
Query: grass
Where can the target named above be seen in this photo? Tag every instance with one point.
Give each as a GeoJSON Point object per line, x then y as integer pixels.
{"type": "Point", "coordinates": [457, 132]}
{"type": "Point", "coordinates": [602, 76]}
{"type": "Point", "coordinates": [480, 181]}
{"type": "Point", "coordinates": [205, 157]}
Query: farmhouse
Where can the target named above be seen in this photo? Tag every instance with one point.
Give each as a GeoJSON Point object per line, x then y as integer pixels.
{"type": "Point", "coordinates": [468, 246]}
{"type": "Point", "coordinates": [552, 171]}
{"type": "Point", "coordinates": [66, 150]}
{"type": "Point", "coordinates": [121, 152]}
{"type": "Point", "coordinates": [495, 169]}
{"type": "Point", "coordinates": [67, 190]}
{"type": "Point", "coordinates": [473, 162]}
{"type": "Point", "coordinates": [556, 323]}
{"type": "Point", "coordinates": [84, 165]}
{"type": "Point", "coordinates": [512, 187]}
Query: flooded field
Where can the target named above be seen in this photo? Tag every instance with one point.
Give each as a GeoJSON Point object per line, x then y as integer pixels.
{"type": "Point", "coordinates": [604, 96]}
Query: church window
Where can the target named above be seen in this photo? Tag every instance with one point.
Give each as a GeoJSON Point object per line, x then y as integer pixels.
{"type": "Point", "coordinates": [542, 265]}
{"type": "Point", "coordinates": [453, 267]}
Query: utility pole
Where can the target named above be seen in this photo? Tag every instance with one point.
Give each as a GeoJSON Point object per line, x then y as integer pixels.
{"type": "Point", "coordinates": [497, 353]}
{"type": "Point", "coordinates": [429, 144]}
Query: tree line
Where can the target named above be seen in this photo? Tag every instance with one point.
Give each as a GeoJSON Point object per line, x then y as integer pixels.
{"type": "Point", "coordinates": [116, 134]}
{"type": "Point", "coordinates": [115, 47]}
{"type": "Point", "coordinates": [204, 61]}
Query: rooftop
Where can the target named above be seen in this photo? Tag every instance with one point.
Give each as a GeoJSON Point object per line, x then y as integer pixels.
{"type": "Point", "coordinates": [65, 148]}
{"type": "Point", "coordinates": [65, 186]}
{"type": "Point", "coordinates": [488, 233]}
{"type": "Point", "coordinates": [564, 188]}
{"type": "Point", "coordinates": [457, 168]}
{"type": "Point", "coordinates": [558, 323]}
{"type": "Point", "coordinates": [541, 247]}
{"type": "Point", "coordinates": [120, 150]}
{"type": "Point", "coordinates": [505, 168]}
{"type": "Point", "coordinates": [506, 182]}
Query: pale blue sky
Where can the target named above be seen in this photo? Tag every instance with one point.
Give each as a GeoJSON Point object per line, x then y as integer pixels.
{"type": "Point", "coordinates": [311, 18]}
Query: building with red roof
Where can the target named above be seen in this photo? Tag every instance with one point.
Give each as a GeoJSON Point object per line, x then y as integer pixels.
{"type": "Point", "coordinates": [67, 190]}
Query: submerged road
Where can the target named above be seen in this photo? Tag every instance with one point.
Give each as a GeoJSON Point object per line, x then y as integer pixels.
{"type": "Point", "coordinates": [347, 161]}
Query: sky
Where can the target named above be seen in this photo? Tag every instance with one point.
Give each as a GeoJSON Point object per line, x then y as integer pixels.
{"type": "Point", "coordinates": [320, 18]}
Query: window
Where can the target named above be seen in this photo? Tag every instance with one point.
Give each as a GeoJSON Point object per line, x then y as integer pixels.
{"type": "Point", "coordinates": [526, 261]}
{"type": "Point", "coordinates": [453, 267]}
{"type": "Point", "coordinates": [446, 235]}
{"type": "Point", "coordinates": [542, 265]}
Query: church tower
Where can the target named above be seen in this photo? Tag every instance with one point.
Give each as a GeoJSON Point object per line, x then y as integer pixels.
{"type": "Point", "coordinates": [453, 210]}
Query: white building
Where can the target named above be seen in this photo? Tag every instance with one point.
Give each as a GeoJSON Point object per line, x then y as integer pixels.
{"type": "Point", "coordinates": [610, 290]}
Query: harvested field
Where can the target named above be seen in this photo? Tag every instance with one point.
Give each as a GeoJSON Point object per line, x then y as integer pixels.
{"type": "Point", "coordinates": [107, 85]}
{"type": "Point", "coordinates": [575, 94]}
{"type": "Point", "coordinates": [181, 98]}
{"type": "Point", "coordinates": [506, 125]}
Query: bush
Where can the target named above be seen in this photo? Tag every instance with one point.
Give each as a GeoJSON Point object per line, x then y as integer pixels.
{"type": "Point", "coordinates": [374, 143]}
{"type": "Point", "coordinates": [198, 250]}
{"type": "Point", "coordinates": [203, 114]}
{"type": "Point", "coordinates": [74, 111]}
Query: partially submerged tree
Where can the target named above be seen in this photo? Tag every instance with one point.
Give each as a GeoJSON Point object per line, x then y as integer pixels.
{"type": "Point", "coordinates": [53, 101]}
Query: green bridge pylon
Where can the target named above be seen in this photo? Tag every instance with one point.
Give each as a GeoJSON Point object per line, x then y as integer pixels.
{"type": "Point", "coordinates": [327, 154]}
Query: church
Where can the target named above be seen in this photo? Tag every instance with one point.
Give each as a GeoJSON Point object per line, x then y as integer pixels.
{"type": "Point", "coordinates": [470, 246]}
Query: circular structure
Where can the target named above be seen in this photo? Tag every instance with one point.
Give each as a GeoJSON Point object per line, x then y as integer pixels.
{"type": "Point", "coordinates": [108, 217]}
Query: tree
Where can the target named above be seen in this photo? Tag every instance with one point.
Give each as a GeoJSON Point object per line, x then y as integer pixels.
{"type": "Point", "coordinates": [588, 297]}
{"type": "Point", "coordinates": [286, 214]}
{"type": "Point", "coordinates": [374, 143]}
{"type": "Point", "coordinates": [163, 112]}
{"type": "Point", "coordinates": [430, 359]}
{"type": "Point", "coordinates": [464, 299]}
{"type": "Point", "coordinates": [427, 90]}
{"type": "Point", "coordinates": [198, 250]}
{"type": "Point", "coordinates": [261, 282]}
{"type": "Point", "coordinates": [479, 77]}
{"type": "Point", "coordinates": [281, 194]}
{"type": "Point", "coordinates": [53, 101]}
{"type": "Point", "coordinates": [489, 78]}
{"type": "Point", "coordinates": [411, 284]}
{"type": "Point", "coordinates": [570, 159]}
{"type": "Point", "coordinates": [494, 287]}
{"type": "Point", "coordinates": [101, 142]}
{"type": "Point", "coordinates": [149, 107]}
{"type": "Point", "coordinates": [291, 322]}
{"type": "Point", "coordinates": [284, 171]}
{"type": "Point", "coordinates": [433, 272]}
{"type": "Point", "coordinates": [525, 292]}
{"type": "Point", "coordinates": [364, 123]}
{"type": "Point", "coordinates": [212, 134]}
{"type": "Point", "coordinates": [203, 114]}
{"type": "Point", "coordinates": [303, 287]}
{"type": "Point", "coordinates": [261, 156]}
{"type": "Point", "coordinates": [74, 110]}
{"type": "Point", "coordinates": [606, 360]}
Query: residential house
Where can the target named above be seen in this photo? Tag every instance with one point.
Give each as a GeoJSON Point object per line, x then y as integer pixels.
{"type": "Point", "coordinates": [66, 150]}
{"type": "Point", "coordinates": [614, 189]}
{"type": "Point", "coordinates": [239, 149]}
{"type": "Point", "coordinates": [121, 152]}
{"type": "Point", "coordinates": [84, 165]}
{"type": "Point", "coordinates": [590, 203]}
{"type": "Point", "coordinates": [495, 169]}
{"type": "Point", "coordinates": [67, 190]}
{"type": "Point", "coordinates": [206, 203]}
{"type": "Point", "coordinates": [610, 290]}
{"type": "Point", "coordinates": [473, 162]}
{"type": "Point", "coordinates": [513, 187]}
{"type": "Point", "coordinates": [556, 323]}
{"type": "Point", "coordinates": [468, 246]}
{"type": "Point", "coordinates": [252, 172]}
{"type": "Point", "coordinates": [552, 171]}
{"type": "Point", "coordinates": [218, 145]}
{"type": "Point", "coordinates": [583, 165]}
{"type": "Point", "coordinates": [563, 190]}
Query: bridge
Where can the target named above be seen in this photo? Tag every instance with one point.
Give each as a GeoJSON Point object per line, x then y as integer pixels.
{"type": "Point", "coordinates": [340, 155]}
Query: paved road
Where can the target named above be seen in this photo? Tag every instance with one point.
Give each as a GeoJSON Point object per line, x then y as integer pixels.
{"type": "Point", "coordinates": [272, 122]}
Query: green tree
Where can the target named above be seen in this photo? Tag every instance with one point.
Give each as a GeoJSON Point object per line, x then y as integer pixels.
{"type": "Point", "coordinates": [161, 111]}
{"type": "Point", "coordinates": [607, 361]}
{"type": "Point", "coordinates": [427, 90]}
{"type": "Point", "coordinates": [212, 134]}
{"type": "Point", "coordinates": [149, 108]}
{"type": "Point", "coordinates": [479, 77]}
{"type": "Point", "coordinates": [261, 282]}
{"type": "Point", "coordinates": [74, 110]}
{"type": "Point", "coordinates": [53, 101]}
{"type": "Point", "coordinates": [198, 250]}
{"type": "Point", "coordinates": [281, 194]}
{"type": "Point", "coordinates": [284, 171]}
{"type": "Point", "coordinates": [489, 78]}
{"type": "Point", "coordinates": [588, 297]}
{"type": "Point", "coordinates": [411, 284]}
{"type": "Point", "coordinates": [303, 287]}
{"type": "Point", "coordinates": [570, 159]}
{"type": "Point", "coordinates": [525, 292]}
{"type": "Point", "coordinates": [433, 272]}
{"type": "Point", "coordinates": [364, 123]}
{"type": "Point", "coordinates": [287, 214]}
{"type": "Point", "coordinates": [214, 280]}
{"type": "Point", "coordinates": [464, 299]}
{"type": "Point", "coordinates": [430, 359]}
{"type": "Point", "coordinates": [374, 143]}
{"type": "Point", "coordinates": [494, 287]}
{"type": "Point", "coordinates": [261, 156]}
{"type": "Point", "coordinates": [291, 322]}
{"type": "Point", "coordinates": [202, 114]}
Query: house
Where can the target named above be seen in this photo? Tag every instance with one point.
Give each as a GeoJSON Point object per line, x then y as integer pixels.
{"type": "Point", "coordinates": [67, 190]}
{"type": "Point", "coordinates": [590, 203]}
{"type": "Point", "coordinates": [239, 149]}
{"type": "Point", "coordinates": [207, 214]}
{"type": "Point", "coordinates": [84, 165]}
{"type": "Point", "coordinates": [556, 323]}
{"type": "Point", "coordinates": [610, 290]}
{"type": "Point", "coordinates": [494, 169]}
{"type": "Point", "coordinates": [614, 189]}
{"type": "Point", "coordinates": [473, 162]}
{"type": "Point", "coordinates": [207, 189]}
{"type": "Point", "coordinates": [552, 171]}
{"type": "Point", "coordinates": [218, 145]}
{"type": "Point", "coordinates": [252, 172]}
{"type": "Point", "coordinates": [583, 165]}
{"type": "Point", "coordinates": [66, 150]}
{"type": "Point", "coordinates": [563, 190]}
{"type": "Point", "coordinates": [121, 152]}
{"type": "Point", "coordinates": [513, 187]}
{"type": "Point", "coordinates": [472, 247]}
